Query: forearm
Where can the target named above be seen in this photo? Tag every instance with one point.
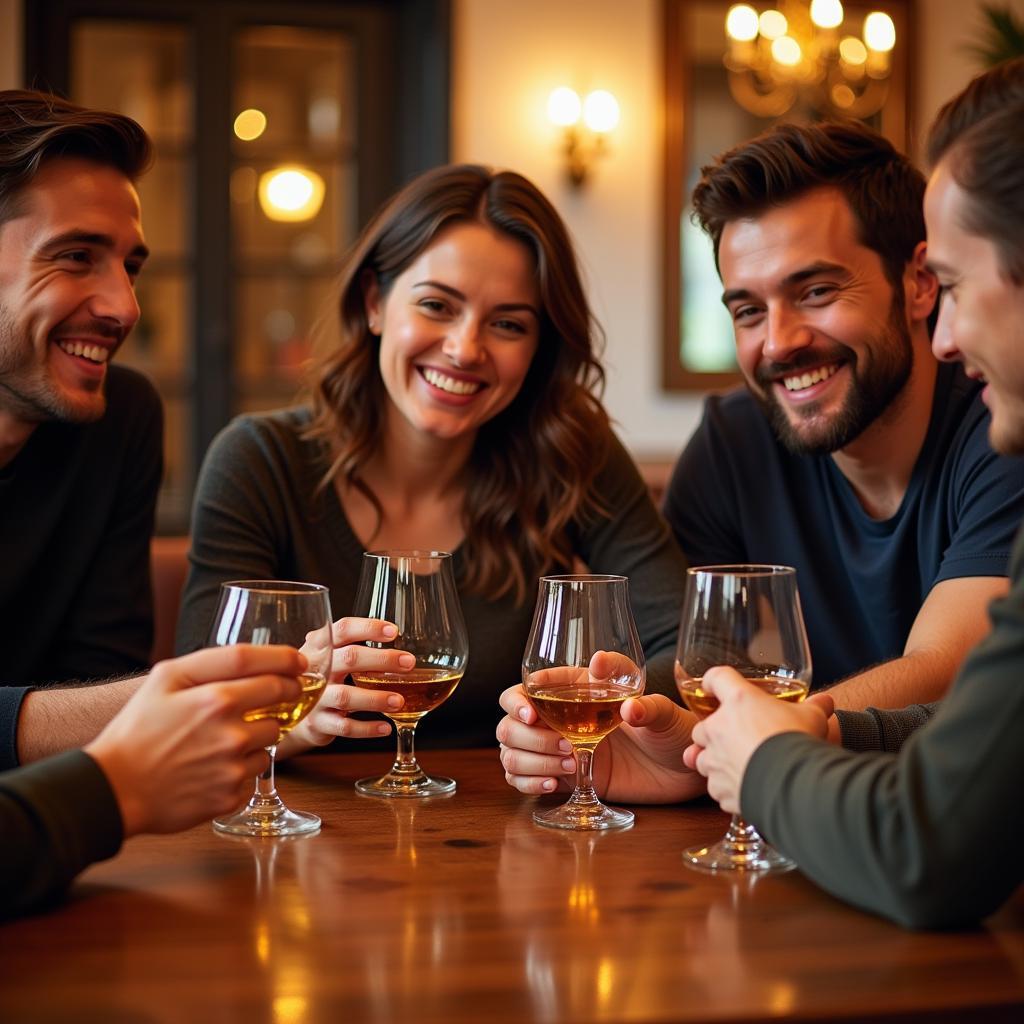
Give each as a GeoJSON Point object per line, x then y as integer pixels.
{"type": "Point", "coordinates": [878, 728]}
{"type": "Point", "coordinates": [54, 719]}
{"type": "Point", "coordinates": [56, 818]}
{"type": "Point", "coordinates": [919, 677]}
{"type": "Point", "coordinates": [900, 834]}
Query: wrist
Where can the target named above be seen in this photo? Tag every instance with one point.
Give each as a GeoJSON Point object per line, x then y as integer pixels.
{"type": "Point", "coordinates": [119, 778]}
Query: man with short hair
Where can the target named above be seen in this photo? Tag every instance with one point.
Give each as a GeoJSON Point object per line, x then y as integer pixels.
{"type": "Point", "coordinates": [851, 454]}
{"type": "Point", "coordinates": [80, 440]}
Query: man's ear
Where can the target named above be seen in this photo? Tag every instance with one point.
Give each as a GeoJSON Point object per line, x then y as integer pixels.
{"type": "Point", "coordinates": [920, 284]}
{"type": "Point", "coordinates": [371, 300]}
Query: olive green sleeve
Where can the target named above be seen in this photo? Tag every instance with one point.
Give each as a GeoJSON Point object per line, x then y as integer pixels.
{"type": "Point", "coordinates": [57, 816]}
{"type": "Point", "coordinates": [931, 836]}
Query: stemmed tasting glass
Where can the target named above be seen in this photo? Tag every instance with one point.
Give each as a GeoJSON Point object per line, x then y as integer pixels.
{"type": "Point", "coordinates": [583, 659]}
{"type": "Point", "coordinates": [747, 617]}
{"type": "Point", "coordinates": [416, 591]}
{"type": "Point", "coordinates": [276, 612]}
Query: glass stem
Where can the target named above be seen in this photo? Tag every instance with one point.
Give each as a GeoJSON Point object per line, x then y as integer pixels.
{"type": "Point", "coordinates": [584, 792]}
{"type": "Point", "coordinates": [266, 791]}
{"type": "Point", "coordinates": [405, 760]}
{"type": "Point", "coordinates": [742, 837]}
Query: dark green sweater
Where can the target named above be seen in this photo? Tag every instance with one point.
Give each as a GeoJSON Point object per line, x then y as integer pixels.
{"type": "Point", "coordinates": [57, 816]}
{"type": "Point", "coordinates": [930, 836]}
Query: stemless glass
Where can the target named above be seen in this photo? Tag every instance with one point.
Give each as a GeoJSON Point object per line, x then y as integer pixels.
{"type": "Point", "coordinates": [416, 591]}
{"type": "Point", "coordinates": [747, 617]}
{"type": "Point", "coordinates": [583, 660]}
{"type": "Point", "coordinates": [276, 612]}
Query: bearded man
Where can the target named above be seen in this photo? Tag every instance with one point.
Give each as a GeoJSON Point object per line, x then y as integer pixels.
{"type": "Point", "coordinates": [851, 454]}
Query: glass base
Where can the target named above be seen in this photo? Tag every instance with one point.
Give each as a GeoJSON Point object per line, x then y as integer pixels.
{"type": "Point", "coordinates": [419, 785]}
{"type": "Point", "coordinates": [584, 817]}
{"type": "Point", "coordinates": [261, 817]}
{"type": "Point", "coordinates": [741, 849]}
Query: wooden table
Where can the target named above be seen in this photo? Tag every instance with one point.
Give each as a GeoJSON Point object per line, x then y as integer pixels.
{"type": "Point", "coordinates": [462, 910]}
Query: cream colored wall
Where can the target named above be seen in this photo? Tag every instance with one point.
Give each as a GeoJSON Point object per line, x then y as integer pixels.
{"type": "Point", "coordinates": [509, 54]}
{"type": "Point", "coordinates": [943, 68]}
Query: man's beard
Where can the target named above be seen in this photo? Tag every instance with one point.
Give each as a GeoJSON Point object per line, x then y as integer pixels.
{"type": "Point", "coordinates": [868, 396]}
{"type": "Point", "coordinates": [26, 388]}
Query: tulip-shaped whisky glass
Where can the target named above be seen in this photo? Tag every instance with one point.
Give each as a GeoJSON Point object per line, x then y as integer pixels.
{"type": "Point", "coordinates": [747, 617]}
{"type": "Point", "coordinates": [416, 591]}
{"type": "Point", "coordinates": [583, 660]}
{"type": "Point", "coordinates": [276, 612]}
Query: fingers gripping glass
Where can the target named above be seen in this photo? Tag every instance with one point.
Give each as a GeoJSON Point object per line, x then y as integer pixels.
{"type": "Point", "coordinates": [583, 660]}
{"type": "Point", "coordinates": [747, 617]}
{"type": "Point", "coordinates": [275, 612]}
{"type": "Point", "coordinates": [416, 591]}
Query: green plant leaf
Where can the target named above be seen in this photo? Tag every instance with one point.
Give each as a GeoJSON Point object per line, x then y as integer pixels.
{"type": "Point", "coordinates": [1000, 38]}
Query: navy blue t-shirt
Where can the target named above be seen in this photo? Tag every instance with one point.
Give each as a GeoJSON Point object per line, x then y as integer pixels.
{"type": "Point", "coordinates": [737, 495]}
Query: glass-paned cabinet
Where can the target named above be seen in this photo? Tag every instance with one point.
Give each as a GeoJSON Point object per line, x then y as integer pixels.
{"type": "Point", "coordinates": [277, 129]}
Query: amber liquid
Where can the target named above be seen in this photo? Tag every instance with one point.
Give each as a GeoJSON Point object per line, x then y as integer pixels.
{"type": "Point", "coordinates": [702, 703]}
{"type": "Point", "coordinates": [584, 715]}
{"type": "Point", "coordinates": [290, 713]}
{"type": "Point", "coordinates": [423, 688]}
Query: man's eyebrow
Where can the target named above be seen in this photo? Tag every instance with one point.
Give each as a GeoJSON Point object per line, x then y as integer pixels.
{"type": "Point", "coordinates": [505, 307]}
{"type": "Point", "coordinates": [796, 277]}
{"type": "Point", "coordinates": [76, 237]}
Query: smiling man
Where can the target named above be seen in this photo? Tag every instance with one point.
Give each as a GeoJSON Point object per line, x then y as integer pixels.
{"type": "Point", "coordinates": [852, 454]}
{"type": "Point", "coordinates": [80, 440]}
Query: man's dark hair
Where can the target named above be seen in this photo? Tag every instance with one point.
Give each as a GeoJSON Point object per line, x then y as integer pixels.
{"type": "Point", "coordinates": [884, 190]}
{"type": "Point", "coordinates": [37, 126]}
{"type": "Point", "coordinates": [980, 132]}
{"type": "Point", "coordinates": [986, 94]}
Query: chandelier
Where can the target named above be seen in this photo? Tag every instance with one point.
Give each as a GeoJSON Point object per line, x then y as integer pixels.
{"type": "Point", "coordinates": [800, 49]}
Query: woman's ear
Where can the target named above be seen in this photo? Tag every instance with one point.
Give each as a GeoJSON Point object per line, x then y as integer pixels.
{"type": "Point", "coordinates": [371, 300]}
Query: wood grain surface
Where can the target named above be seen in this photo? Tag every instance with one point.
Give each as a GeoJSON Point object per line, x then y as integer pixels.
{"type": "Point", "coordinates": [462, 910]}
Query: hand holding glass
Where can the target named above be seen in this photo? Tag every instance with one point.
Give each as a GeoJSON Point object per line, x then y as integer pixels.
{"type": "Point", "coordinates": [747, 617]}
{"type": "Point", "coordinates": [583, 660]}
{"type": "Point", "coordinates": [274, 612]}
{"type": "Point", "coordinates": [416, 591]}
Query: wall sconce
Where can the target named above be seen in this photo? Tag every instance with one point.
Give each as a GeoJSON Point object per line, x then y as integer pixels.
{"type": "Point", "coordinates": [291, 193]}
{"type": "Point", "coordinates": [599, 114]}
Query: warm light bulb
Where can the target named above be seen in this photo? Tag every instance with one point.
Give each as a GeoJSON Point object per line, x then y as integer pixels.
{"type": "Point", "coordinates": [842, 96]}
{"type": "Point", "coordinates": [879, 31]}
{"type": "Point", "coordinates": [741, 23]}
{"type": "Point", "coordinates": [786, 51]}
{"type": "Point", "coordinates": [601, 111]}
{"type": "Point", "coordinates": [772, 24]}
{"type": "Point", "coordinates": [826, 13]}
{"type": "Point", "coordinates": [853, 51]}
{"type": "Point", "coordinates": [564, 107]}
{"type": "Point", "coordinates": [291, 193]}
{"type": "Point", "coordinates": [250, 124]}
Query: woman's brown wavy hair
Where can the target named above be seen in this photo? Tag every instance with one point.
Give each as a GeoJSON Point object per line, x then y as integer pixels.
{"type": "Point", "coordinates": [531, 473]}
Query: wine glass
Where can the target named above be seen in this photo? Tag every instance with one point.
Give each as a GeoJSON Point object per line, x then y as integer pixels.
{"type": "Point", "coordinates": [747, 617]}
{"type": "Point", "coordinates": [583, 660]}
{"type": "Point", "coordinates": [416, 591]}
{"type": "Point", "coordinates": [276, 612]}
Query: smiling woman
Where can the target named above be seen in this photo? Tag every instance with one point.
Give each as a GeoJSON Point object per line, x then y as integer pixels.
{"type": "Point", "coordinates": [455, 410]}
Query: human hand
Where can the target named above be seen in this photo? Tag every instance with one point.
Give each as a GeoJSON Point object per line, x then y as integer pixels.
{"type": "Point", "coordinates": [821, 700]}
{"type": "Point", "coordinates": [180, 751]}
{"type": "Point", "coordinates": [332, 715]}
{"type": "Point", "coordinates": [641, 761]}
{"type": "Point", "coordinates": [746, 716]}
